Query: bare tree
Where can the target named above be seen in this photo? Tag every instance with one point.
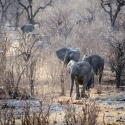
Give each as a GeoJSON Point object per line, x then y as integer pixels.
{"type": "Point", "coordinates": [60, 23]}
{"type": "Point", "coordinates": [117, 57]}
{"type": "Point", "coordinates": [90, 18]}
{"type": "Point", "coordinates": [4, 6]}
{"type": "Point", "coordinates": [120, 23]}
{"type": "Point", "coordinates": [6, 75]}
{"type": "Point", "coordinates": [28, 51]}
{"type": "Point", "coordinates": [29, 10]}
{"type": "Point", "coordinates": [109, 7]}
{"type": "Point", "coordinates": [16, 13]}
{"type": "Point", "coordinates": [21, 65]}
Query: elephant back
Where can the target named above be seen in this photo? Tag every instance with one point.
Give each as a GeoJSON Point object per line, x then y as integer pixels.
{"type": "Point", "coordinates": [96, 61]}
{"type": "Point", "coordinates": [85, 68]}
{"type": "Point", "coordinates": [26, 28]}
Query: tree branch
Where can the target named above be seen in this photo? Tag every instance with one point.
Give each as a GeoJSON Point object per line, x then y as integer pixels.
{"type": "Point", "coordinates": [102, 4]}
{"type": "Point", "coordinates": [26, 8]}
{"type": "Point", "coordinates": [48, 4]}
{"type": "Point", "coordinates": [7, 6]}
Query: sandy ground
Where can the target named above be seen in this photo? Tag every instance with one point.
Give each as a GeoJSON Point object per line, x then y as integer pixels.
{"type": "Point", "coordinates": [111, 103]}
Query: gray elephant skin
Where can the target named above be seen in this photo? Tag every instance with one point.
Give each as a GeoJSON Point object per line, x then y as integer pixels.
{"type": "Point", "coordinates": [97, 62]}
{"type": "Point", "coordinates": [26, 28]}
{"type": "Point", "coordinates": [82, 73]}
{"type": "Point", "coordinates": [66, 54]}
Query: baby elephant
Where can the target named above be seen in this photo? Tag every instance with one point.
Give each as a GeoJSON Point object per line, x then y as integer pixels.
{"type": "Point", "coordinates": [82, 73]}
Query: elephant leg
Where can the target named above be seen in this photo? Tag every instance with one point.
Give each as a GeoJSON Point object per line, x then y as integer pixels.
{"type": "Point", "coordinates": [91, 82]}
{"type": "Point", "coordinates": [88, 92]}
{"type": "Point", "coordinates": [100, 78]}
{"type": "Point", "coordinates": [83, 91]}
{"type": "Point", "coordinates": [84, 87]}
{"type": "Point", "coordinates": [77, 90]}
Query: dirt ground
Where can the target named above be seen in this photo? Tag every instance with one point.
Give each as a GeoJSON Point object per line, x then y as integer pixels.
{"type": "Point", "coordinates": [111, 103]}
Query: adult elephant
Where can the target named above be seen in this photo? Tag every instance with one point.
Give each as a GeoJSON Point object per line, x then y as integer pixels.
{"type": "Point", "coordinates": [82, 73]}
{"type": "Point", "coordinates": [26, 28]}
{"type": "Point", "coordinates": [66, 54]}
{"type": "Point", "coordinates": [97, 62]}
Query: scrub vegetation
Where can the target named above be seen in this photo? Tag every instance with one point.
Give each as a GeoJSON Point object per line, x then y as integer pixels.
{"type": "Point", "coordinates": [30, 69]}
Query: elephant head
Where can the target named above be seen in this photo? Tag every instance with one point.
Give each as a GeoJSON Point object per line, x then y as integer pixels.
{"type": "Point", "coordinates": [66, 54]}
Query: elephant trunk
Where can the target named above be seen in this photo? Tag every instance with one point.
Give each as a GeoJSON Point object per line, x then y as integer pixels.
{"type": "Point", "coordinates": [66, 59]}
{"type": "Point", "coordinates": [72, 84]}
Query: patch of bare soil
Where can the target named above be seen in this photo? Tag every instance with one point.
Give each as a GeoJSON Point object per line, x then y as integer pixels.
{"type": "Point", "coordinates": [111, 103]}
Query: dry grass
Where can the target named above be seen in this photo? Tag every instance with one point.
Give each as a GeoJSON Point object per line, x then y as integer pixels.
{"type": "Point", "coordinates": [79, 112]}
{"type": "Point", "coordinates": [40, 117]}
{"type": "Point", "coordinates": [88, 115]}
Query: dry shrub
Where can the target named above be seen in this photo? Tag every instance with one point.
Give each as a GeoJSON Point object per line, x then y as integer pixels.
{"type": "Point", "coordinates": [39, 116]}
{"type": "Point", "coordinates": [88, 116]}
{"type": "Point", "coordinates": [7, 115]}
{"type": "Point", "coordinates": [70, 115]}
{"type": "Point", "coordinates": [3, 93]}
{"type": "Point", "coordinates": [90, 111]}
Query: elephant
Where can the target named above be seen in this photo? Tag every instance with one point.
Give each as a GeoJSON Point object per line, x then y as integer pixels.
{"type": "Point", "coordinates": [82, 73]}
{"type": "Point", "coordinates": [26, 28]}
{"type": "Point", "coordinates": [66, 54]}
{"type": "Point", "coordinates": [97, 62]}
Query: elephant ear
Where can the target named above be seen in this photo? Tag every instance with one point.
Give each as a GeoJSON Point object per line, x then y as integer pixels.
{"type": "Point", "coordinates": [61, 53]}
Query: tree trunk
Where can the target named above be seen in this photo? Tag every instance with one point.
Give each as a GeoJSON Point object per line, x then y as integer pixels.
{"type": "Point", "coordinates": [32, 87]}
{"type": "Point", "coordinates": [2, 16]}
{"type": "Point", "coordinates": [62, 86]}
{"type": "Point", "coordinates": [112, 23]}
{"type": "Point", "coordinates": [72, 84]}
{"type": "Point", "coordinates": [62, 83]}
{"type": "Point", "coordinates": [17, 20]}
{"type": "Point", "coordinates": [118, 78]}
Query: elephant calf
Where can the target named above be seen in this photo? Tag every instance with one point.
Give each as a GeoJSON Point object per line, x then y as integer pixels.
{"type": "Point", "coordinates": [82, 73]}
